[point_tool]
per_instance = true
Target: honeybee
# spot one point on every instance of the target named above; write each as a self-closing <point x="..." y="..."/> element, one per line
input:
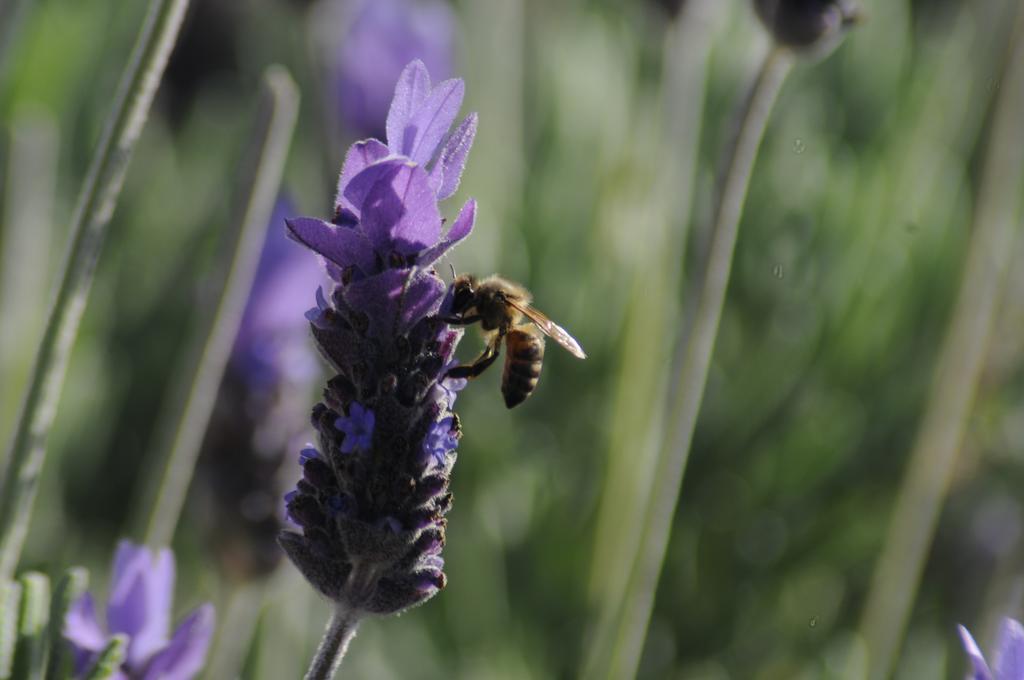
<point x="500" y="306"/>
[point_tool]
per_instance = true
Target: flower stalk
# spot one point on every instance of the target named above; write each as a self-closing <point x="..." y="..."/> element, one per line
<point x="642" y="373"/>
<point x="341" y="628"/>
<point x="89" y="224"/>
<point x="276" y="122"/>
<point x="687" y="388"/>
<point x="933" y="458"/>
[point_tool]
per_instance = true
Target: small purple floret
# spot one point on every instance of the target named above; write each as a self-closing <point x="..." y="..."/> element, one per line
<point x="441" y="439"/>
<point x="358" y="428"/>
<point x="307" y="454"/>
<point x="139" y="606"/>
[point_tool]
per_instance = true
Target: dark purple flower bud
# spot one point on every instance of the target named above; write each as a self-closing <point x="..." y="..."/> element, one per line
<point x="372" y="502"/>
<point x="368" y="43"/>
<point x="139" y="606"/>
<point x="816" y="26"/>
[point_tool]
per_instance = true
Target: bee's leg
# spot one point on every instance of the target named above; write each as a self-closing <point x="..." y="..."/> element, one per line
<point x="460" y="320"/>
<point x="480" y="365"/>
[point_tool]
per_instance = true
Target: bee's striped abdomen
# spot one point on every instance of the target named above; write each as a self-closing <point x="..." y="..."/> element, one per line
<point x="522" y="366"/>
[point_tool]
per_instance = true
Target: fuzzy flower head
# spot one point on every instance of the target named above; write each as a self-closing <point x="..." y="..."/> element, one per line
<point x="377" y="39"/>
<point x="1008" y="660"/>
<point x="374" y="491"/>
<point x="139" y="606"/>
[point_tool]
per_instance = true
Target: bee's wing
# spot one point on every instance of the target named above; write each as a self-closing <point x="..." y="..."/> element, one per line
<point x="551" y="329"/>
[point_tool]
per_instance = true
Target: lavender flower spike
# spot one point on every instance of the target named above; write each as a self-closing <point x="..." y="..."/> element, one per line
<point x="1009" y="656"/>
<point x="139" y="607"/>
<point x="371" y="502"/>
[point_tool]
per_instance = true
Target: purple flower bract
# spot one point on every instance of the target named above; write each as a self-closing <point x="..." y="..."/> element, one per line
<point x="1008" y="661"/>
<point x="139" y="606"/>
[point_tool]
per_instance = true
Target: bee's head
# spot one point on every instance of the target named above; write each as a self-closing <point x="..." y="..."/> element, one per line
<point x="463" y="293"/>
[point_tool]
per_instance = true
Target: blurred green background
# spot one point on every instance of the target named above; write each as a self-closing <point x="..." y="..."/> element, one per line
<point x="601" y="124"/>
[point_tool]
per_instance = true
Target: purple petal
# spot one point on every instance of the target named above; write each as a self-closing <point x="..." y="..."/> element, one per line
<point x="344" y="246"/>
<point x="82" y="628"/>
<point x="979" y="669"/>
<point x="449" y="166"/>
<point x="411" y="91"/>
<point x="430" y="123"/>
<point x="141" y="593"/>
<point x="1009" y="659"/>
<point x="359" y="187"/>
<point x="317" y="315"/>
<point x="461" y="227"/>
<point x="399" y="209"/>
<point x="360" y="156"/>
<point x="185" y="655"/>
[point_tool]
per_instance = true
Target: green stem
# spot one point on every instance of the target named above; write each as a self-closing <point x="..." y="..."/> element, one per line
<point x="647" y="341"/>
<point x="88" y="229"/>
<point x="26" y="263"/>
<point x="236" y="629"/>
<point x="341" y="628"/>
<point x="688" y="386"/>
<point x="110" y="659"/>
<point x="276" y="122"/>
<point x="941" y="432"/>
<point x="69" y="589"/>
<point x="12" y="15"/>
<point x="30" y="655"/>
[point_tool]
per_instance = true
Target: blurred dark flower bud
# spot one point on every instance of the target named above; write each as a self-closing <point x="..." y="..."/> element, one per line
<point x="808" y="26"/>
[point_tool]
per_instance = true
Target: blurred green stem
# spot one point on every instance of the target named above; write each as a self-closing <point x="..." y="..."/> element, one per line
<point x="341" y="628"/>
<point x="110" y="658"/>
<point x="647" y="339"/>
<point x="687" y="389"/>
<point x="88" y="229"/>
<point x="12" y="14"/>
<point x="234" y="636"/>
<point x="30" y="655"/>
<point x="933" y="457"/>
<point x="69" y="589"/>
<point x="26" y="261"/>
<point x="275" y="125"/>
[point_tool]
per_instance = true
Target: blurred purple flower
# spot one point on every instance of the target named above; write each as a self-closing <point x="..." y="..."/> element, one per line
<point x="139" y="606"/>
<point x="260" y="409"/>
<point x="377" y="39"/>
<point x="1008" y="662"/>
<point x="272" y="342"/>
<point x="373" y="524"/>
